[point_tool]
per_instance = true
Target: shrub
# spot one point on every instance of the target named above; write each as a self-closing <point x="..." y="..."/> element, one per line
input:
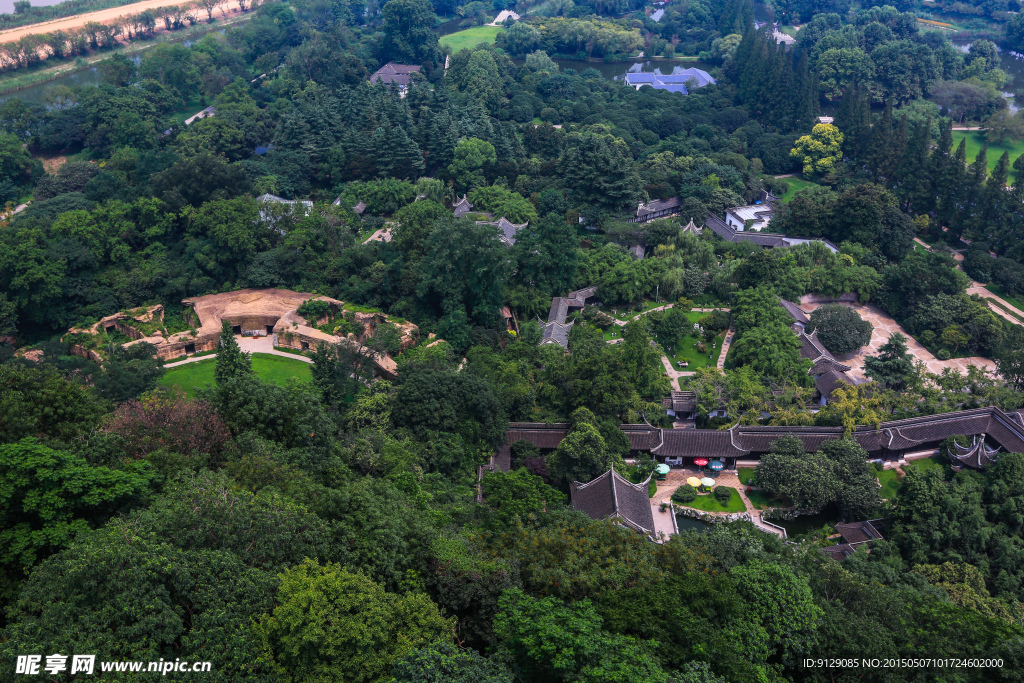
<point x="684" y="494"/>
<point x="943" y="354"/>
<point x="840" y="328"/>
<point x="716" y="320"/>
<point x="723" y="494"/>
<point x="313" y="309"/>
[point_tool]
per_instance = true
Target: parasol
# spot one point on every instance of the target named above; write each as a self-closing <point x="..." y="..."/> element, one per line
<point x="662" y="468"/>
<point x="700" y="462"/>
<point x="707" y="481"/>
<point x="693" y="481"/>
<point x="717" y="465"/>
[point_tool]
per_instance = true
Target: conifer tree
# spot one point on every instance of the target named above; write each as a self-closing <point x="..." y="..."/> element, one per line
<point x="881" y="140"/>
<point x="399" y="156"/>
<point x="913" y="182"/>
<point x="232" y="362"/>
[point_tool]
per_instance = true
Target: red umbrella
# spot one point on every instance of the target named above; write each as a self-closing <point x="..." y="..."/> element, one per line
<point x="700" y="462"/>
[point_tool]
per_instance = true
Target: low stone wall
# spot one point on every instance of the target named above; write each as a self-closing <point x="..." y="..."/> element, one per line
<point x="848" y="298"/>
<point x="82" y="352"/>
<point x="712" y="518"/>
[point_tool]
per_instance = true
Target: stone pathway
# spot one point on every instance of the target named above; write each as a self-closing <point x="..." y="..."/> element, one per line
<point x="726" y="343"/>
<point x="249" y="345"/>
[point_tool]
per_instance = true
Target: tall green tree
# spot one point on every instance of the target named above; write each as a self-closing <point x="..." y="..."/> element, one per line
<point x="333" y="625"/>
<point x="232" y="362"/>
<point x="409" y="36"/>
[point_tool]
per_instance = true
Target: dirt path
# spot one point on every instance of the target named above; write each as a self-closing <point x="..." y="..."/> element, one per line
<point x="101" y="16"/>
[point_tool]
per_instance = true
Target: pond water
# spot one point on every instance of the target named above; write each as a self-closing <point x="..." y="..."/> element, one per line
<point x="1013" y="65"/>
<point x="808" y="523"/>
<point x="691" y="524"/>
<point x="87" y="76"/>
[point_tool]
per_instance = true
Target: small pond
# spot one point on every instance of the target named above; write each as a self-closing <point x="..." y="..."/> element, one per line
<point x="691" y="524"/>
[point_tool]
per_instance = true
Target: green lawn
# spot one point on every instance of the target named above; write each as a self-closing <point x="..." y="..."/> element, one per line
<point x="1000" y="292"/>
<point x="795" y="185"/>
<point x="687" y="351"/>
<point x="708" y="503"/>
<point x="763" y="500"/>
<point x="975" y="140"/>
<point x="940" y="462"/>
<point x="890" y="482"/>
<point x="193" y="376"/>
<point x="746" y="475"/>
<point x="471" y="37"/>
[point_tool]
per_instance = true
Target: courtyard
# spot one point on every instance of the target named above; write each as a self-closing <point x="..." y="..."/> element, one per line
<point x="884" y="326"/>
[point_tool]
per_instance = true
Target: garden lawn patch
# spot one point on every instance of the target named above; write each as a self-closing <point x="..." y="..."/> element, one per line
<point x="976" y="139"/>
<point x="193" y="376"/>
<point x="686" y="351"/>
<point x="924" y="464"/>
<point x="795" y="185"/>
<point x="708" y="503"/>
<point x="890" y="481"/>
<point x="471" y="37"/>
<point x="746" y="475"/>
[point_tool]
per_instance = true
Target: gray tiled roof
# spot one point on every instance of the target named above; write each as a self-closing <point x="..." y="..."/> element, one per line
<point x="794" y="311"/>
<point x="680" y="401"/>
<point x="858" y="532"/>
<point x="395" y="73"/>
<point x="1001" y="428"/>
<point x="840" y="551"/>
<point x="611" y="495"/>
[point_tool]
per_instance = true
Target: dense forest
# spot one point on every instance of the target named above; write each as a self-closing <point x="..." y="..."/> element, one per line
<point x="330" y="530"/>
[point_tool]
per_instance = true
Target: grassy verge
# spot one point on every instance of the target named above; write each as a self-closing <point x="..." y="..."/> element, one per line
<point x="746" y="475"/>
<point x="1001" y="293"/>
<point x="975" y="141"/>
<point x="687" y="349"/>
<point x="795" y="185"/>
<point x="193" y="376"/>
<point x="471" y="37"/>
<point x="708" y="503"/>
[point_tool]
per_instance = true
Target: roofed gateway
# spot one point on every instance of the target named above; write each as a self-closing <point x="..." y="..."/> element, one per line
<point x="613" y="496"/>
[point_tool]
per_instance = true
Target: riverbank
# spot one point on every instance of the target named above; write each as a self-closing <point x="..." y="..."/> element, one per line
<point x="22" y="79"/>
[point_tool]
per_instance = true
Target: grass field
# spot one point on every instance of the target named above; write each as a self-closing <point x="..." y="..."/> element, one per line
<point x="471" y="37"/>
<point x="795" y="185"/>
<point x="975" y="140"/>
<point x="708" y="503"/>
<point x="193" y="376"/>
<point x="746" y="475"/>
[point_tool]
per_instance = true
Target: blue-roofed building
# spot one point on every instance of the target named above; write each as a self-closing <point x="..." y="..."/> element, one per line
<point x="657" y="15"/>
<point x="674" y="82"/>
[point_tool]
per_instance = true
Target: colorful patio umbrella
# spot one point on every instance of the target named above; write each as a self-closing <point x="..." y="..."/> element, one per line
<point x="707" y="481"/>
<point x="693" y="481"/>
<point x="662" y="468"/>
<point x="700" y="462"/>
<point x="717" y="465"/>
